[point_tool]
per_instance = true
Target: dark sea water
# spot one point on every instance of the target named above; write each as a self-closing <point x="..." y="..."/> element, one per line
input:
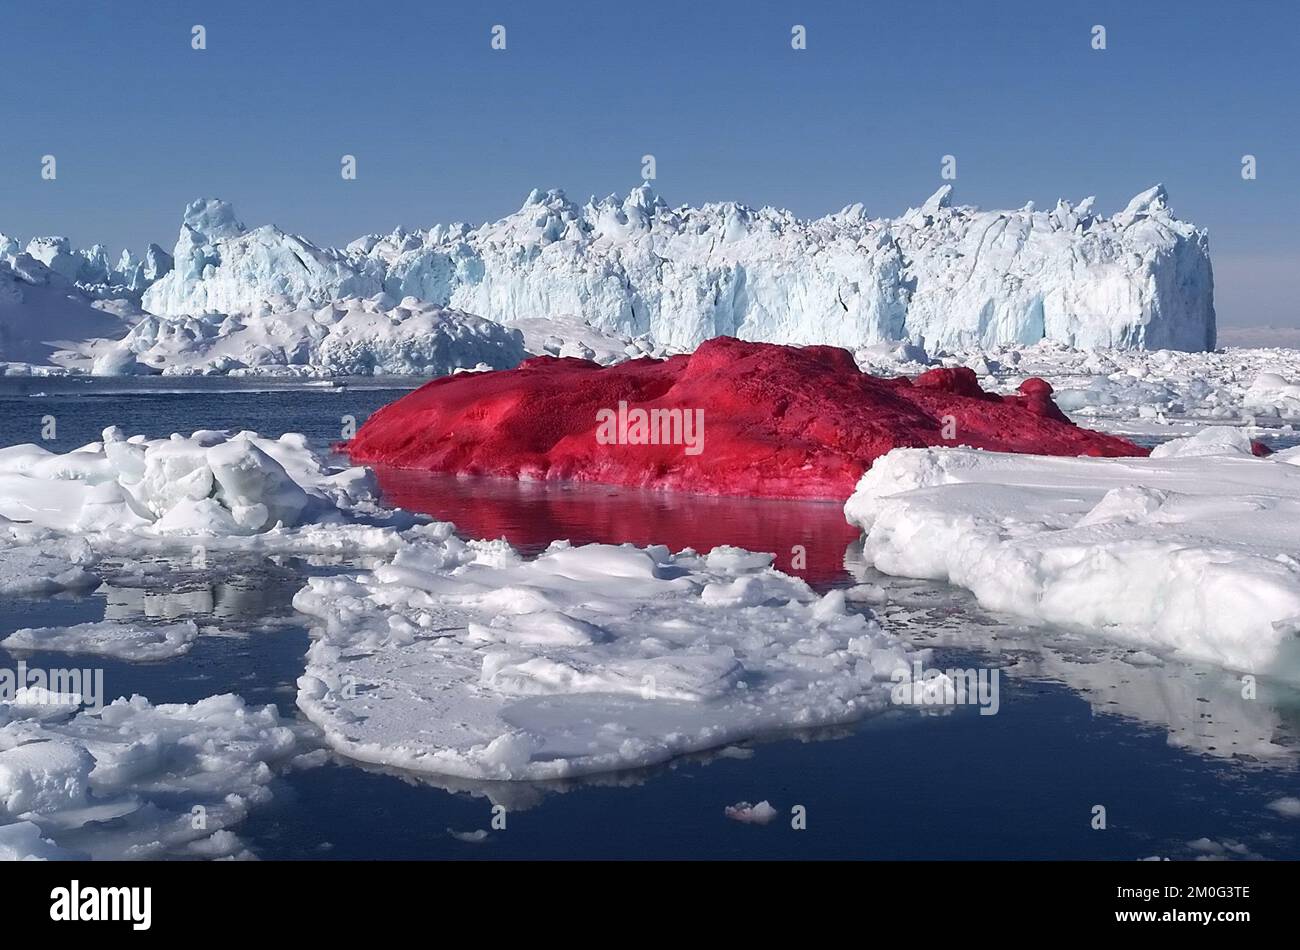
<point x="1181" y="762"/>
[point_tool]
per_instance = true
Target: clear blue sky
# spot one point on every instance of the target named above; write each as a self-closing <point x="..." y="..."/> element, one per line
<point x="444" y="128"/>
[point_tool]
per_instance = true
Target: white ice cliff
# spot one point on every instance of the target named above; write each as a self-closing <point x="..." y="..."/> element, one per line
<point x="941" y="275"/>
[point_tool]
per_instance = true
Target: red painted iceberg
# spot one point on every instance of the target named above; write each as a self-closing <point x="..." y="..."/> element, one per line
<point x="732" y="418"/>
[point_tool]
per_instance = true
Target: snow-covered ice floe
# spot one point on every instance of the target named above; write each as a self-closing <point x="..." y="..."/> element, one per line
<point x="129" y="780"/>
<point x="1194" y="550"/>
<point x="465" y="659"/>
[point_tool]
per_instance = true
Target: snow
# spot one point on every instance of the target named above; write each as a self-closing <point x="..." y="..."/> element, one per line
<point x="1193" y="550"/>
<point x="1152" y="687"/>
<point x="133" y="780"/>
<point x="940" y="275"/>
<point x="465" y="660"/>
<point x="55" y="300"/>
<point x="197" y="497"/>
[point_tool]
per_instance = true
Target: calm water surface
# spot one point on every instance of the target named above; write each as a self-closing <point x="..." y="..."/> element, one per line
<point x="1173" y="752"/>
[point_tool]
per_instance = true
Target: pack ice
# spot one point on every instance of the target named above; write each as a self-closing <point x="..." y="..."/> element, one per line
<point x="1133" y="391"/>
<point x="1193" y="551"/>
<point x="61" y="514"/>
<point x="466" y="660"/>
<point x="210" y="483"/>
<point x="125" y="781"/>
<point x="941" y="275"/>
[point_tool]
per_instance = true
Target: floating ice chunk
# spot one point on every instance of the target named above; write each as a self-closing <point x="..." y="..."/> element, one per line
<point x="1129" y="505"/>
<point x="470" y="837"/>
<point x="1143" y="658"/>
<point x="1207" y="849"/>
<point x="1119" y="385"/>
<point x="539" y="627"/>
<point x="728" y="558"/>
<point x="123" y="640"/>
<point x="1288" y="806"/>
<point x="466" y="660"/>
<point x="691" y="677"/>
<point x="558" y="335"/>
<point x="760" y="814"/>
<point x="253" y="486"/>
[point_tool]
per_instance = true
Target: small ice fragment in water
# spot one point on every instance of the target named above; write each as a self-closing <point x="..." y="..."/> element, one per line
<point x="759" y="814"/>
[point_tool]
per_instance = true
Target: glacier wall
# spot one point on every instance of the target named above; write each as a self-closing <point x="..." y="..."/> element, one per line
<point x="941" y="275"/>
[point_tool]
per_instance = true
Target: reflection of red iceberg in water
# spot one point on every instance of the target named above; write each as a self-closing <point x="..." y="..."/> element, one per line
<point x="732" y="418"/>
<point x="807" y="537"/>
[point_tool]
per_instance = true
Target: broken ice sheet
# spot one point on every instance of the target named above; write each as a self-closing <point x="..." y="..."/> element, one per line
<point x="464" y="659"/>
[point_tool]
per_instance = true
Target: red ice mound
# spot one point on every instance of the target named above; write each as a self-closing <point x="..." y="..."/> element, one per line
<point x="777" y="421"/>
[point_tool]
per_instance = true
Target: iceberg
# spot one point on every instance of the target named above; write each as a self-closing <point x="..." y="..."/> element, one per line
<point x="941" y="275"/>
